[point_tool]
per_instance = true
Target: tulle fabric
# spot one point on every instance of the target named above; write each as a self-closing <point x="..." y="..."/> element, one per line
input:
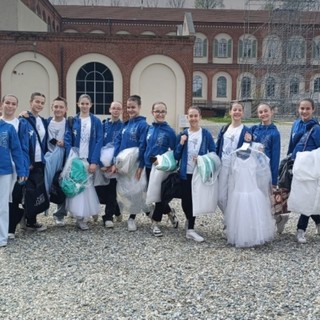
<point x="248" y="215"/>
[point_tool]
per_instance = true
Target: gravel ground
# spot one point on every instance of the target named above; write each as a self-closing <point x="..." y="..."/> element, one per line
<point x="65" y="273"/>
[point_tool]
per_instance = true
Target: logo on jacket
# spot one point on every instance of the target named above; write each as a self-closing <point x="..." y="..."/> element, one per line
<point x="247" y="137"/>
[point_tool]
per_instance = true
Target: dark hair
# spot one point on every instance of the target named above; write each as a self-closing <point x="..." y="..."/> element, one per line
<point x="85" y="96"/>
<point x="35" y="94"/>
<point x="236" y="102"/>
<point x="61" y="99"/>
<point x="135" y="98"/>
<point x="158" y="102"/>
<point x="195" y="108"/>
<point x="309" y="100"/>
<point x="9" y="95"/>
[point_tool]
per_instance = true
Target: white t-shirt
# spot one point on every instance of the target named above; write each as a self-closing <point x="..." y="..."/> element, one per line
<point x="231" y="140"/>
<point x="14" y="122"/>
<point x="194" y="143"/>
<point x="85" y="137"/>
<point x="42" y="131"/>
<point x="56" y="131"/>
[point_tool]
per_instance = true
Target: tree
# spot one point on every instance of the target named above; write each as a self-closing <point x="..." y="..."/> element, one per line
<point x="176" y="3"/>
<point x="208" y="4"/>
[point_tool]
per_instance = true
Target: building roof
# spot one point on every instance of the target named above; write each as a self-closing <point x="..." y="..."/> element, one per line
<point x="175" y="14"/>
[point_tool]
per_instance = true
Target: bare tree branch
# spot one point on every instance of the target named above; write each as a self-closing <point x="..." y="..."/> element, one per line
<point x="176" y="3"/>
<point x="209" y="4"/>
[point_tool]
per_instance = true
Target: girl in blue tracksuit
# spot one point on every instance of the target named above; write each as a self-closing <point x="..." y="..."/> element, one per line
<point x="111" y="129"/>
<point x="230" y="138"/>
<point x="301" y="140"/>
<point x="10" y="105"/>
<point x="36" y="126"/>
<point x="160" y="138"/>
<point x="133" y="134"/>
<point x="191" y="142"/>
<point x="85" y="134"/>
<point x="10" y="150"/>
<point x="268" y="135"/>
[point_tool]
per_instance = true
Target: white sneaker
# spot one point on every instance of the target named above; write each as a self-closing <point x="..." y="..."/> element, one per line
<point x="82" y="224"/>
<point x="59" y="222"/>
<point x="119" y="218"/>
<point x="156" y="230"/>
<point x="108" y="224"/>
<point x="191" y="234"/>
<point x="132" y="225"/>
<point x="11" y="236"/>
<point x="318" y="229"/>
<point x="281" y="221"/>
<point x="301" y="236"/>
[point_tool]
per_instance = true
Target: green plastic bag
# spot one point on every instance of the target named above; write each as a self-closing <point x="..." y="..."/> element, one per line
<point x="166" y="162"/>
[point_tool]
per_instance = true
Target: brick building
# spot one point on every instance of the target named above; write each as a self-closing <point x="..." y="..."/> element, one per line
<point x="180" y="56"/>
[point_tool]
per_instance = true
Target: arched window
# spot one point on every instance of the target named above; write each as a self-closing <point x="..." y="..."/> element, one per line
<point x="221" y="87"/>
<point x="197" y="87"/>
<point x="270" y="87"/>
<point x="316" y="85"/>
<point x="294" y="86"/>
<point x="96" y="80"/>
<point x="245" y="87"/>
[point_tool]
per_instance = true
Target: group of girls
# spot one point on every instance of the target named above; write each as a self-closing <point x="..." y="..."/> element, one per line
<point x="87" y="133"/>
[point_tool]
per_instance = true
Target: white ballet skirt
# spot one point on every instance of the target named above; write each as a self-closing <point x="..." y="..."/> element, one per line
<point x="248" y="213"/>
<point x="85" y="204"/>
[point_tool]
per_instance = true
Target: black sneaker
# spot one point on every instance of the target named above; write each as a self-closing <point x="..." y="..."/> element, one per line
<point x="36" y="227"/>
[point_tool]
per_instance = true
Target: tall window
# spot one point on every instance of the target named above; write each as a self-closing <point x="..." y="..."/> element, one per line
<point x="270" y="87"/>
<point x="316" y="85"/>
<point x="223" y="48"/>
<point x="197" y="87"/>
<point x="294" y="86"/>
<point x="296" y="49"/>
<point x="272" y="47"/>
<point x="221" y="87"/>
<point x="316" y="50"/>
<point x="200" y="48"/>
<point x="245" y="87"/>
<point x="96" y="80"/>
<point x="247" y="48"/>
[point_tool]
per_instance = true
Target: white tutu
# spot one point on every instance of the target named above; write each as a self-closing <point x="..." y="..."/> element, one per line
<point x="85" y="204"/>
<point x="248" y="215"/>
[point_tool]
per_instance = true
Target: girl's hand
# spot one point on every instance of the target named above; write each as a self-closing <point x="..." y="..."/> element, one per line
<point x="60" y="143"/>
<point x="113" y="169"/>
<point x="138" y="173"/>
<point x="183" y="139"/>
<point x="21" y="180"/>
<point x="103" y="169"/>
<point x="92" y="168"/>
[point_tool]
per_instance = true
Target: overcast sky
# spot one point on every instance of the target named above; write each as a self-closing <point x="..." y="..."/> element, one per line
<point x="229" y="4"/>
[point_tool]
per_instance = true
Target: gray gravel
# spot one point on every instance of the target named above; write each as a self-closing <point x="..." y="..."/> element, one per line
<point x="65" y="273"/>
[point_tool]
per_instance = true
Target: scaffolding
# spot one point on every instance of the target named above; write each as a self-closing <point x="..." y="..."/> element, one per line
<point x="286" y="66"/>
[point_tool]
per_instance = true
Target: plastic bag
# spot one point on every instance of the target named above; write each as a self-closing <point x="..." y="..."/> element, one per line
<point x="154" y="185"/>
<point x="106" y="155"/>
<point x="166" y="161"/>
<point x="74" y="176"/>
<point x="131" y="193"/>
<point x="204" y="196"/>
<point x="126" y="161"/>
<point x="208" y="166"/>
